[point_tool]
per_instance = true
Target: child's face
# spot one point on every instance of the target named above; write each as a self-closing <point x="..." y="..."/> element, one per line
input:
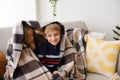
<point x="29" y="39"/>
<point x="53" y="37"/>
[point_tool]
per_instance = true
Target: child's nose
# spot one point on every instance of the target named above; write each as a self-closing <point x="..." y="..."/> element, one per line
<point x="53" y="38"/>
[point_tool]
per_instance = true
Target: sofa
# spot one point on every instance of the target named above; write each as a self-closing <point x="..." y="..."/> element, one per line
<point x="6" y="32"/>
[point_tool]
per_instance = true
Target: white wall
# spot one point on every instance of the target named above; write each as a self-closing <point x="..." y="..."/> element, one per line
<point x="99" y="15"/>
<point x="13" y="11"/>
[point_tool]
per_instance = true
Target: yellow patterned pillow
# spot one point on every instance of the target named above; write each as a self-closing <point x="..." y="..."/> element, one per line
<point x="102" y="56"/>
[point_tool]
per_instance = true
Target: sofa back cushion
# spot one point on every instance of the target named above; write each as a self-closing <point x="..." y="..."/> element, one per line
<point x="69" y="24"/>
<point x="5" y="34"/>
<point x="75" y="24"/>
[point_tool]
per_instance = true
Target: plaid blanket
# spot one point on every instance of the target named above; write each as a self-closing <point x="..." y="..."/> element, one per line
<point x="24" y="65"/>
<point x="22" y="62"/>
<point x="76" y="37"/>
<point x="67" y="54"/>
<point x="29" y="67"/>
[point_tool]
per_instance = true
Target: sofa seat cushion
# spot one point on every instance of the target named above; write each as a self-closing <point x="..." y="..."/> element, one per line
<point x="94" y="76"/>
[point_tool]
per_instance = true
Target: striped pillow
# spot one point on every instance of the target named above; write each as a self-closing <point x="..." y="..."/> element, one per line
<point x="102" y="56"/>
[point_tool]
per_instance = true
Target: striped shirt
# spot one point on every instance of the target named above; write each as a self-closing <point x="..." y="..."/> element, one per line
<point x="49" y="55"/>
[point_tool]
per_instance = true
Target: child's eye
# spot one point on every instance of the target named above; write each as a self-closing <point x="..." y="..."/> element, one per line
<point x="49" y="35"/>
<point x="57" y="34"/>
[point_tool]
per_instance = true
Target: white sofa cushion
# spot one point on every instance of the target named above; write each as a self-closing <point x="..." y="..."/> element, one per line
<point x="98" y="35"/>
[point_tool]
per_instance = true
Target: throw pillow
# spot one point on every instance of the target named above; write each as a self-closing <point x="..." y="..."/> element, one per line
<point x="98" y="35"/>
<point x="2" y="64"/>
<point x="102" y="56"/>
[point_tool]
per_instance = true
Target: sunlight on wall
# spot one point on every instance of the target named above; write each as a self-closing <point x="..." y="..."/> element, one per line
<point x="13" y="11"/>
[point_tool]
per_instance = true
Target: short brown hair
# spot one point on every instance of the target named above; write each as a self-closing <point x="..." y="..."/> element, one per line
<point x="52" y="27"/>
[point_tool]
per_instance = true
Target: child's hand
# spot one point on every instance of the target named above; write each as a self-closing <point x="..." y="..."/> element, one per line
<point x="32" y="46"/>
<point x="57" y="76"/>
<point x="55" y="72"/>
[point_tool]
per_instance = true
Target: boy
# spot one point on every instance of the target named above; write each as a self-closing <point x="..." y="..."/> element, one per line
<point x="57" y="54"/>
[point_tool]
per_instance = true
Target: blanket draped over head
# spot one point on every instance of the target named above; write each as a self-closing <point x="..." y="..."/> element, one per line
<point x="24" y="65"/>
<point x="76" y="37"/>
